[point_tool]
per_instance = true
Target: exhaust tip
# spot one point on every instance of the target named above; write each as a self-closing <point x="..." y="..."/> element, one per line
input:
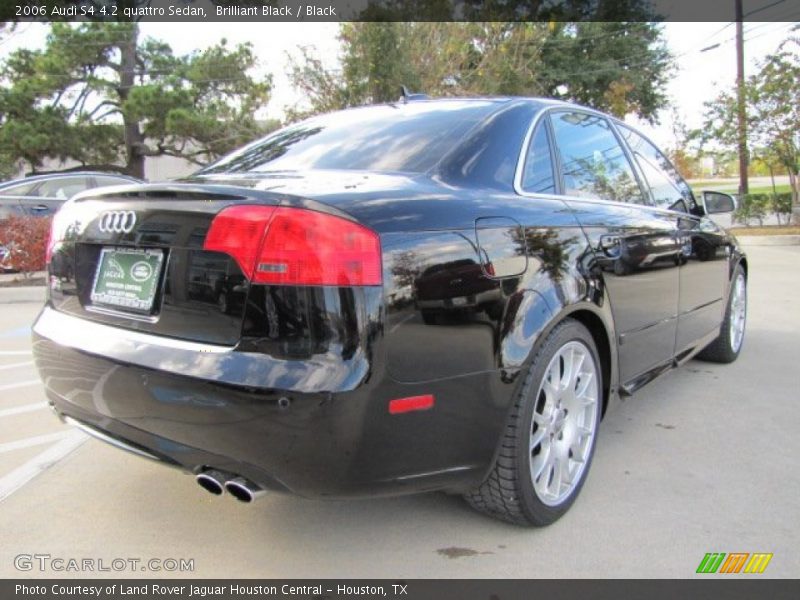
<point x="211" y="481"/>
<point x="243" y="490"/>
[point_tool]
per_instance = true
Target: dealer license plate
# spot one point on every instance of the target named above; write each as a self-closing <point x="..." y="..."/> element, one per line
<point x="127" y="278"/>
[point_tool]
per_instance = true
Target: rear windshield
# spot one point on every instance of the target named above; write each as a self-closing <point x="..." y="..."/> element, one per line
<point x="409" y="137"/>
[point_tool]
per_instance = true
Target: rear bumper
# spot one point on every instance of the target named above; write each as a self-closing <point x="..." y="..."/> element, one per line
<point x="197" y="407"/>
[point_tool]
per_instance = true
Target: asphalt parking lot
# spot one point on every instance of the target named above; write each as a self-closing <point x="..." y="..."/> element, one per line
<point x="703" y="460"/>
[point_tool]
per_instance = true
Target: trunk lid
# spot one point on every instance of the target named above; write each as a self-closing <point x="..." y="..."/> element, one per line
<point x="133" y="257"/>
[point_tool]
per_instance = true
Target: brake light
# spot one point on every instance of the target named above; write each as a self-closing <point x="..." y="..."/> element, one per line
<point x="58" y="230"/>
<point x="48" y="249"/>
<point x="399" y="406"/>
<point x="239" y="231"/>
<point x="294" y="246"/>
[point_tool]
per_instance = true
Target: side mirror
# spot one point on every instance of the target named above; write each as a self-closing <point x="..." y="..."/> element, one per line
<point x="718" y="202"/>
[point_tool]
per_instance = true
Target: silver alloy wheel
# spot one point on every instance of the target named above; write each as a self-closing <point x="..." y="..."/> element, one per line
<point x="564" y="422"/>
<point x="738" y="312"/>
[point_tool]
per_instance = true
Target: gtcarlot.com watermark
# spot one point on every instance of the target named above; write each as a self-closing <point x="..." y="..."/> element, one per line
<point x="43" y="563"/>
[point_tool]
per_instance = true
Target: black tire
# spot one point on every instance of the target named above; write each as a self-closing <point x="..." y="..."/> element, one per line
<point x="508" y="492"/>
<point x="722" y="349"/>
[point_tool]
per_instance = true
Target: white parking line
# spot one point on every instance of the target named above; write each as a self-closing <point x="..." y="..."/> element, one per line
<point x="15" y="352"/>
<point x="34" y="441"/>
<point x="18" y="410"/>
<point x="16" y="365"/>
<point x="24" y="473"/>
<point x="19" y="384"/>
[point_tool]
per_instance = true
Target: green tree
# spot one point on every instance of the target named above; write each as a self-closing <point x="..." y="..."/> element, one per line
<point x="99" y="94"/>
<point x="773" y="112"/>
<point x="775" y="118"/>
<point x="618" y="67"/>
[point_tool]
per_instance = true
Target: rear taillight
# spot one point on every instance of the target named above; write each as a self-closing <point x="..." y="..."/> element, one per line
<point x="58" y="230"/>
<point x="294" y="246"/>
<point x="48" y="249"/>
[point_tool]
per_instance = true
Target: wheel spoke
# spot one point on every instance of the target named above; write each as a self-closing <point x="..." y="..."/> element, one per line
<point x="578" y="449"/>
<point x="554" y="374"/>
<point x="541" y="462"/>
<point x="587" y="380"/>
<point x="537" y="437"/>
<point x="578" y="358"/>
<point x="540" y="420"/>
<point x="564" y="477"/>
<point x="550" y="389"/>
<point x="555" y="481"/>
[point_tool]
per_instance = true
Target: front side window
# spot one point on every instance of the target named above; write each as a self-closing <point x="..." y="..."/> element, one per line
<point x="667" y="186"/>
<point x="593" y="163"/>
<point x="537" y="176"/>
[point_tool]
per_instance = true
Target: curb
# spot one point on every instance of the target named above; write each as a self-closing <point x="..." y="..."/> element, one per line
<point x="20" y="295"/>
<point x="769" y="240"/>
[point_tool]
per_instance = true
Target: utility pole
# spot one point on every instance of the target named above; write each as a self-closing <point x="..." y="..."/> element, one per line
<point x="741" y="111"/>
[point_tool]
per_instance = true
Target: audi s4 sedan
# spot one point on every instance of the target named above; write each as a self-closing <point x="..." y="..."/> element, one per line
<point x="427" y="295"/>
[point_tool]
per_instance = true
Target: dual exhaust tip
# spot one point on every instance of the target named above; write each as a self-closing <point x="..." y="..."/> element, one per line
<point x="217" y="482"/>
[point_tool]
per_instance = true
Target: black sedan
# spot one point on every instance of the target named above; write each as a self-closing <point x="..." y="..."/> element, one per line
<point x="428" y="295"/>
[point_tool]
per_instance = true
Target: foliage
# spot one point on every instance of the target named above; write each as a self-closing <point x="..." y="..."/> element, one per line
<point x="773" y="112"/>
<point x="781" y="206"/>
<point x="507" y="10"/>
<point x="98" y="94"/>
<point x="620" y="67"/>
<point x="26" y="237"/>
<point x="687" y="161"/>
<point x="752" y="206"/>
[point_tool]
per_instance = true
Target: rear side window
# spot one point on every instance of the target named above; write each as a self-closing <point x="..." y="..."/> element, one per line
<point x="537" y="176"/>
<point x="667" y="186"/>
<point x="62" y="188"/>
<point x="104" y="180"/>
<point x="593" y="162"/>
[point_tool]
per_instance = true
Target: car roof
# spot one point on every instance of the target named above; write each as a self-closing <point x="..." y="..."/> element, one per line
<point x="48" y="176"/>
<point x="537" y="102"/>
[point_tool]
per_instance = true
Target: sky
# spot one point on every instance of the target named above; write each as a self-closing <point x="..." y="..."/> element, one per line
<point x="699" y="77"/>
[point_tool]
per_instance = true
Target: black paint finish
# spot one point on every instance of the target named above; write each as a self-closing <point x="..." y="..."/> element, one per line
<point x="290" y="386"/>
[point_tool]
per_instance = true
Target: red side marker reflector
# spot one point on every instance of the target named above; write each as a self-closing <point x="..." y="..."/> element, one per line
<point x="404" y="405"/>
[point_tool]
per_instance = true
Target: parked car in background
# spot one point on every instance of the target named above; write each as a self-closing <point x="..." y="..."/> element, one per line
<point x="43" y="195"/>
<point x="427" y="295"/>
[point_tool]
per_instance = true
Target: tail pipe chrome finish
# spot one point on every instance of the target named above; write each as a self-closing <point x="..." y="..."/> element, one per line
<point x="243" y="490"/>
<point x="212" y="481"/>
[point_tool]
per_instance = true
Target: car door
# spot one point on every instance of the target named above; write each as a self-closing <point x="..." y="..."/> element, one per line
<point x="47" y="197"/>
<point x="11" y="196"/>
<point x="705" y="247"/>
<point x="636" y="246"/>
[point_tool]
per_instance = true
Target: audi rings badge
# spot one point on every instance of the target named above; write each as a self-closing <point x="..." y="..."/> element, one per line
<point x="117" y="221"/>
